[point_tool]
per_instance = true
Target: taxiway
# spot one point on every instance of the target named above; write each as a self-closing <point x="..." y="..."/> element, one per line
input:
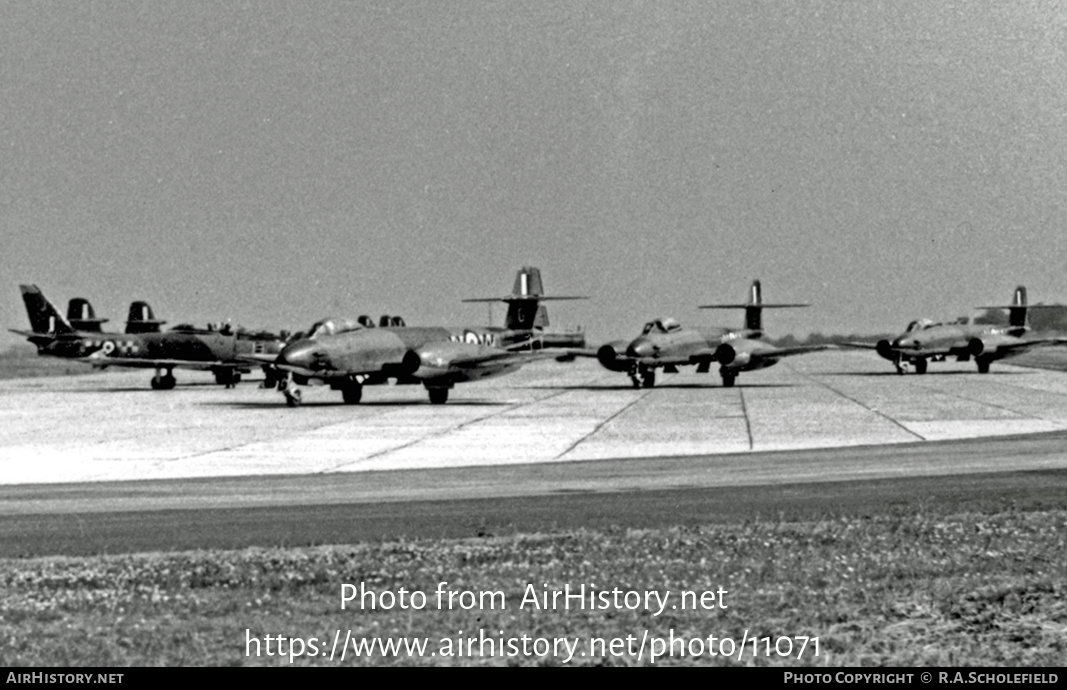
<point x="110" y="426"/>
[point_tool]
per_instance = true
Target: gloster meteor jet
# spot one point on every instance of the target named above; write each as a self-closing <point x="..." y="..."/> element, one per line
<point x="665" y="344"/>
<point x="350" y="354"/>
<point x="925" y="341"/>
<point x="143" y="344"/>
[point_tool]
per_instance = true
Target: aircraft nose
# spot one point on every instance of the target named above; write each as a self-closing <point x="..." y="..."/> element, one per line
<point x="642" y="347"/>
<point x="303" y="353"/>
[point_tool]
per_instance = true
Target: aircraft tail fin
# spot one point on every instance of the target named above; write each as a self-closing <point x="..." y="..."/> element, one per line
<point x="754" y="307"/>
<point x="44" y="317"/>
<point x="142" y="319"/>
<point x="525" y="311"/>
<point x="82" y="316"/>
<point x="1016" y="310"/>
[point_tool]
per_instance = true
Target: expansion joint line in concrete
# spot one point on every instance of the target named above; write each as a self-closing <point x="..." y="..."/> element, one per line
<point x="942" y="391"/>
<point x="748" y="423"/>
<point x="600" y="426"/>
<point x="442" y="432"/>
<point x="857" y="402"/>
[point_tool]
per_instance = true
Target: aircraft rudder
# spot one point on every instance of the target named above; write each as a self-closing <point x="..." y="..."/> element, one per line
<point x="1017" y="311"/>
<point x="754" y="310"/>
<point x="44" y="316"/>
<point x="528" y="283"/>
<point x="82" y="316"/>
<point x="756" y="294"/>
<point x="142" y="319"/>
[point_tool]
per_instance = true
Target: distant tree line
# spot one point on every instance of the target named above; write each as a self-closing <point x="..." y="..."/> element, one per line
<point x="1049" y="318"/>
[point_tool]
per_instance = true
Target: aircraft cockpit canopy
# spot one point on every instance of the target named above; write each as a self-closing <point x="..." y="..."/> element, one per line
<point x="920" y="325"/>
<point x="333" y="326"/>
<point x="667" y="325"/>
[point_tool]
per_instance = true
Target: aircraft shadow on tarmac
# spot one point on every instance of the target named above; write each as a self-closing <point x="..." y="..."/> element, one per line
<point x="267" y="404"/>
<point x="657" y="387"/>
<point x="928" y="374"/>
<point x="145" y="389"/>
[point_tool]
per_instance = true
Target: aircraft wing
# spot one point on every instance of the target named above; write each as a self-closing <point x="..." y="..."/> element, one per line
<point x="46" y="336"/>
<point x="578" y="351"/>
<point x="790" y="351"/>
<point x="129" y="362"/>
<point x="473" y="361"/>
<point x="698" y="357"/>
<point x="1026" y="345"/>
<point x="260" y="359"/>
<point x="861" y="346"/>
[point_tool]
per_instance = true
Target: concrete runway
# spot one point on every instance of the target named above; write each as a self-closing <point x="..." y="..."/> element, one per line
<point x="102" y="464"/>
<point x="110" y="426"/>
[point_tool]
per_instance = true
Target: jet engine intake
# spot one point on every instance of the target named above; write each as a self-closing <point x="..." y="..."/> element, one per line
<point x="727" y="355"/>
<point x="608" y="355"/>
<point x="885" y="349"/>
<point x="989" y="344"/>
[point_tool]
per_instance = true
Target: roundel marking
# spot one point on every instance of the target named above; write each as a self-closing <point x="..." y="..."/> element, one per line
<point x="108" y="347"/>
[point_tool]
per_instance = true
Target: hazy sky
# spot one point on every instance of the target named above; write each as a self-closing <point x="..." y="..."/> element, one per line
<point x="274" y="162"/>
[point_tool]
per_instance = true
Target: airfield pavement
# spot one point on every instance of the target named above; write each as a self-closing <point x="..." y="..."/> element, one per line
<point x="110" y="426"/>
<point x="106" y="444"/>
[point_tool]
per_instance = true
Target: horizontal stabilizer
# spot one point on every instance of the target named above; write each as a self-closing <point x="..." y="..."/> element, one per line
<point x="520" y="298"/>
<point x="746" y="306"/>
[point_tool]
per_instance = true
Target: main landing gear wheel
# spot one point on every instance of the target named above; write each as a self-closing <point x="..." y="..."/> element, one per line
<point x="438" y="396"/>
<point x="649" y="380"/>
<point x="728" y="380"/>
<point x="269" y="380"/>
<point x="352" y="394"/>
<point x="983" y="365"/>
<point x="920" y="366"/>
<point x="227" y="377"/>
<point x="163" y="383"/>
<point x="293" y="396"/>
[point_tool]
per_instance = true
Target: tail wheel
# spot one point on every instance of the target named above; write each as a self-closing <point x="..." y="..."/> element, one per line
<point x="920" y="366"/>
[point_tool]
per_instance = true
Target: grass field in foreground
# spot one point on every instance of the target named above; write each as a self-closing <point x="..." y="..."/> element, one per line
<point x="895" y="589"/>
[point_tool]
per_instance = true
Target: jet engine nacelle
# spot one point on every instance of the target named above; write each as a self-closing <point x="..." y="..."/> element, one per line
<point x="727" y="355"/>
<point x="885" y="349"/>
<point x="986" y="345"/>
<point x="609" y="356"/>
<point x="435" y="361"/>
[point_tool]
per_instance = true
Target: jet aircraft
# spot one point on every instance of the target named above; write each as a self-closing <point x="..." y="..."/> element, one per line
<point x="925" y="341"/>
<point x="665" y="344"/>
<point x="348" y="355"/>
<point x="143" y="344"/>
<point x="526" y="322"/>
